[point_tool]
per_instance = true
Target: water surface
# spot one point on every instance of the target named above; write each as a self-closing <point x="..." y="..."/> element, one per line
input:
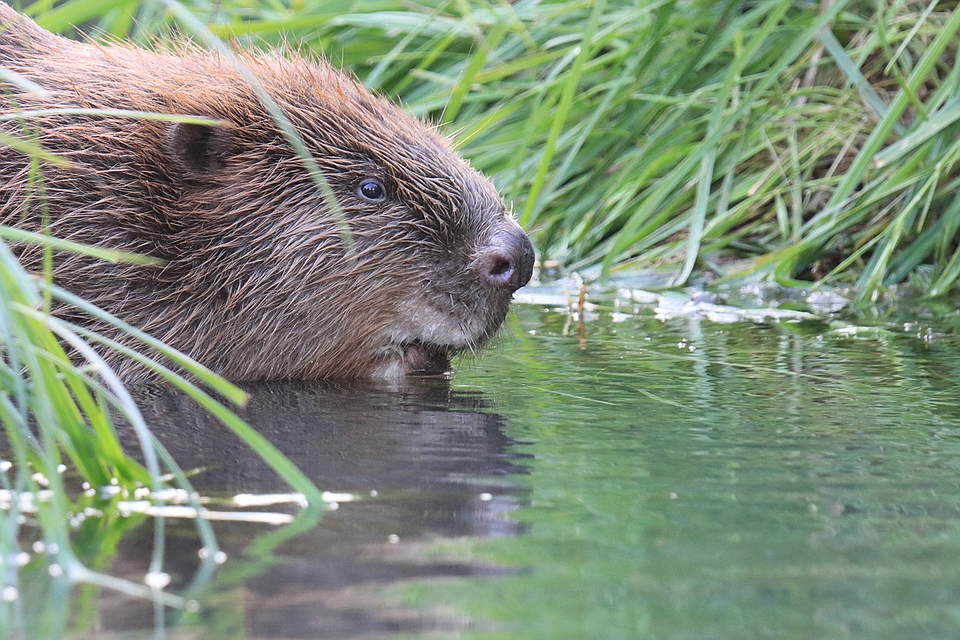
<point x="667" y="474"/>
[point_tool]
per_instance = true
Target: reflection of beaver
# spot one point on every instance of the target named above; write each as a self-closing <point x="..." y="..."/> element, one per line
<point x="256" y="281"/>
<point x="431" y="452"/>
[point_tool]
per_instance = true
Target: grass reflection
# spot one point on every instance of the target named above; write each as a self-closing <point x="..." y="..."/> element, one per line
<point x="777" y="480"/>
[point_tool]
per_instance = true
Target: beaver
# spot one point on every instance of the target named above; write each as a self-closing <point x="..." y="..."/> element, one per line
<point x="254" y="276"/>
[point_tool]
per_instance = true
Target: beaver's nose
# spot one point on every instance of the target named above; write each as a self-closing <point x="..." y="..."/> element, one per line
<point x="507" y="263"/>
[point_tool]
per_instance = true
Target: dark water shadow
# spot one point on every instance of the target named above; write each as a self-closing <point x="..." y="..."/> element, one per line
<point x="437" y="461"/>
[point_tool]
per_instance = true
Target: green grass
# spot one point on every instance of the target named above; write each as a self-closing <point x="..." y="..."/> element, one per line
<point x="60" y="415"/>
<point x="795" y="140"/>
<point x="790" y="139"/>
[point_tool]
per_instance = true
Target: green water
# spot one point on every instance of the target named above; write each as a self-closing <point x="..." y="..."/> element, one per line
<point x="663" y="478"/>
<point x="699" y="480"/>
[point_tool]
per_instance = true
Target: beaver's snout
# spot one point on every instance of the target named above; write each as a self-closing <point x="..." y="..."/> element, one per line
<point x="507" y="263"/>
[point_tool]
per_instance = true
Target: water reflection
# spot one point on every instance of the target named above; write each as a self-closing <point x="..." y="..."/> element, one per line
<point x="687" y="478"/>
<point x="426" y="462"/>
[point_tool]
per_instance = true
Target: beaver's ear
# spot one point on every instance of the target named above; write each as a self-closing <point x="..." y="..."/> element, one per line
<point x="199" y="149"/>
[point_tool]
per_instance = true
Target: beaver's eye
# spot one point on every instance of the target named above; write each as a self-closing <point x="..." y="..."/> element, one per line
<point x="372" y="190"/>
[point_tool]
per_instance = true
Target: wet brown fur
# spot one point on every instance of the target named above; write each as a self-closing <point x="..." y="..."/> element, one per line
<point x="255" y="282"/>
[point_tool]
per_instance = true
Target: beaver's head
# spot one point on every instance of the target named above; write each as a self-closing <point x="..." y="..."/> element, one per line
<point x="418" y="261"/>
